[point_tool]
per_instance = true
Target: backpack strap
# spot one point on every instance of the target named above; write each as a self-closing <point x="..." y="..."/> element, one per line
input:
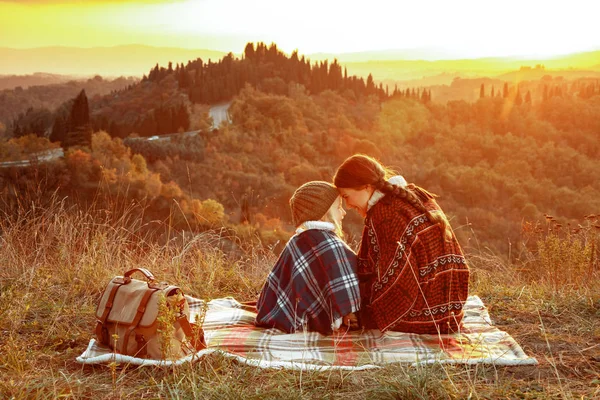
<point x="136" y="320"/>
<point x="101" y="332"/>
<point x="141" y="342"/>
<point x="194" y="333"/>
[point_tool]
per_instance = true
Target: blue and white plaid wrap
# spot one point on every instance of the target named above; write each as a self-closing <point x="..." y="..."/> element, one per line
<point x="312" y="284"/>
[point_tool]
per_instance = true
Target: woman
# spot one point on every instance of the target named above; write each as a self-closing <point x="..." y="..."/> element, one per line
<point x="412" y="272"/>
<point x="313" y="285"/>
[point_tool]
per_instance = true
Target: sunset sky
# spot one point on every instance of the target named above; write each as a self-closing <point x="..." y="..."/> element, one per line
<point x="463" y="28"/>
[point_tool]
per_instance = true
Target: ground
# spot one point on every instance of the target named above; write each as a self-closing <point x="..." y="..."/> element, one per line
<point x="52" y="278"/>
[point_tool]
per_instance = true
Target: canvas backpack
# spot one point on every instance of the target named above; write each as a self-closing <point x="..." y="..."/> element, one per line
<point x="146" y="319"/>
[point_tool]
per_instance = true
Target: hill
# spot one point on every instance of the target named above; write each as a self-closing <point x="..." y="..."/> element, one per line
<point x="48" y="97"/>
<point x="533" y="142"/>
<point x="114" y="61"/>
<point x="516" y="172"/>
<point x="397" y="65"/>
<point x="52" y="280"/>
<point x="36" y="79"/>
<point x="429" y="72"/>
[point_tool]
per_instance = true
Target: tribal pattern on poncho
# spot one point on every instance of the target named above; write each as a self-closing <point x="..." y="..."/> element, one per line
<point x="312" y="284"/>
<point x="412" y="279"/>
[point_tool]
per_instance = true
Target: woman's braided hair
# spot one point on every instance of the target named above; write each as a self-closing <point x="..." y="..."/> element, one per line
<point x="360" y="170"/>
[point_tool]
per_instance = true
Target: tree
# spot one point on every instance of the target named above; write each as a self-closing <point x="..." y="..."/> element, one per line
<point x="481" y="91"/>
<point x="182" y="118"/>
<point x="211" y="212"/>
<point x="79" y="129"/>
<point x="59" y="129"/>
<point x="505" y="90"/>
<point x="528" y="97"/>
<point x="80" y="112"/>
<point x="370" y="84"/>
<point x="518" y="98"/>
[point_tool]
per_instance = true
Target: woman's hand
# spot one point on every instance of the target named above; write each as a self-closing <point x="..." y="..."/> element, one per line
<point x="350" y="321"/>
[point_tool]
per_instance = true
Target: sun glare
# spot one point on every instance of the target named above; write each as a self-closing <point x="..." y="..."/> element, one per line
<point x="466" y="28"/>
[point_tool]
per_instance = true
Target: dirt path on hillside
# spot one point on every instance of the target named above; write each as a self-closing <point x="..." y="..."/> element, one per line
<point x="219" y="113"/>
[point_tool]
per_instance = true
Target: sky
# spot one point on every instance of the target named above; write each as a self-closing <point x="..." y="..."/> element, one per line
<point x="459" y="28"/>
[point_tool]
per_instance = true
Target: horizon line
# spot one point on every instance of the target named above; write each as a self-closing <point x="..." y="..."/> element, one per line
<point x="447" y="57"/>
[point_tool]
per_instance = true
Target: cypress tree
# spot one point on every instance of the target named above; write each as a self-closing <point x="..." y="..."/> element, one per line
<point x="370" y="84"/>
<point x="80" y="112"/>
<point x="249" y="51"/>
<point x="17" y="132"/>
<point x="79" y="129"/>
<point x="518" y="98"/>
<point x="59" y="130"/>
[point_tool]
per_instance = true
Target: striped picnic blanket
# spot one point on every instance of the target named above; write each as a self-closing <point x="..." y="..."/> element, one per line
<point x="229" y="329"/>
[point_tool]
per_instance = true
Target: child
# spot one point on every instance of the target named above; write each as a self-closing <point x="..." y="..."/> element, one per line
<point x="313" y="285"/>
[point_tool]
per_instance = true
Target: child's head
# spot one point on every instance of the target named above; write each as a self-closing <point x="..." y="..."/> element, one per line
<point x="312" y="201"/>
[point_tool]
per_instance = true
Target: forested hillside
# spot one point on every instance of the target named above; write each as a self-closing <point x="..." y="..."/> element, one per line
<point x="494" y="163"/>
<point x="502" y="155"/>
<point x="41" y="101"/>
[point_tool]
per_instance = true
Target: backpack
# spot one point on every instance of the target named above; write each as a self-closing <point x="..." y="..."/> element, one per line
<point x="146" y="319"/>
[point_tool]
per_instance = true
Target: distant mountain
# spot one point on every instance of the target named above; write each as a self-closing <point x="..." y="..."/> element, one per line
<point x="425" y="53"/>
<point x="37" y="79"/>
<point x="525" y="74"/>
<point x="585" y="64"/>
<point x="441" y="55"/>
<point x="400" y="65"/>
<point x="130" y="60"/>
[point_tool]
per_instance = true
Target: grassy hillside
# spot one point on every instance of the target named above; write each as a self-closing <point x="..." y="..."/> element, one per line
<point x="51" y="282"/>
<point x="516" y="173"/>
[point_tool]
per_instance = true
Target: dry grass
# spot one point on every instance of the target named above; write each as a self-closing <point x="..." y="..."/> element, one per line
<point x="56" y="261"/>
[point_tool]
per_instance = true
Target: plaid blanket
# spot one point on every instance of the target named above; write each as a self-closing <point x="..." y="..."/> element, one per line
<point x="229" y="329"/>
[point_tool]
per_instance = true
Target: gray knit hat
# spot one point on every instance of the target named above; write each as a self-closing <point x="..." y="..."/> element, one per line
<point x="311" y="201"/>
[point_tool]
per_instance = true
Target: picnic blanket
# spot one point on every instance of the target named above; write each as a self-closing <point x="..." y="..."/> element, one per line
<point x="229" y="329"/>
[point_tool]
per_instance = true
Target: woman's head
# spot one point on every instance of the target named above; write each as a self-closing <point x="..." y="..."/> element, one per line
<point x="315" y="201"/>
<point x="360" y="170"/>
<point x="357" y="178"/>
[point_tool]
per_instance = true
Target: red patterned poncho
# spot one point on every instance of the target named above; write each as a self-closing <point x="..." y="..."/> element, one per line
<point x="411" y="278"/>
